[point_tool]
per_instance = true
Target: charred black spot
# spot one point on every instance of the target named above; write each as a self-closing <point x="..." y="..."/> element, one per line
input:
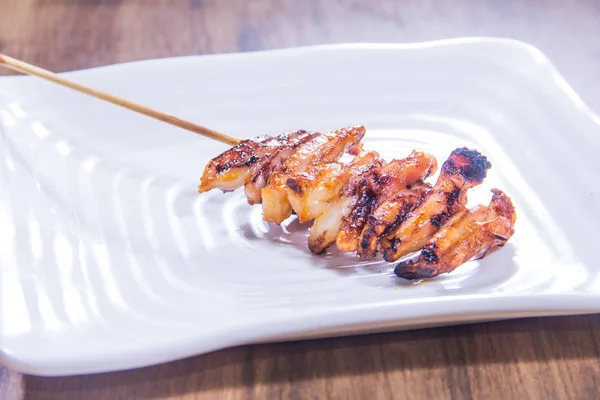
<point x="253" y="159"/>
<point x="363" y="208"/>
<point x="376" y="177"/>
<point x="384" y="180"/>
<point x="399" y="218"/>
<point x="394" y="243"/>
<point x="409" y="273"/>
<point x="220" y="168"/>
<point x="293" y="184"/>
<point x="365" y="243"/>
<point x="501" y="238"/>
<point x="477" y="168"/>
<point x="370" y="198"/>
<point x="428" y="254"/>
<point x="449" y="168"/>
<point x="453" y="197"/>
<point x="439" y="219"/>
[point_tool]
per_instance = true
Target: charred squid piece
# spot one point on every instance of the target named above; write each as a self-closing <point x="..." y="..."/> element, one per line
<point x="324" y="148"/>
<point x="366" y="200"/>
<point x="388" y="215"/>
<point x="327" y="226"/>
<point x="467" y="234"/>
<point x="234" y="167"/>
<point x="311" y="191"/>
<point x="464" y="169"/>
<point x="273" y="162"/>
<point x="394" y="199"/>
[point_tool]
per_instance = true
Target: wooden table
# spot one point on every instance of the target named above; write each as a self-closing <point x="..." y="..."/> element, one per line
<point x="536" y="358"/>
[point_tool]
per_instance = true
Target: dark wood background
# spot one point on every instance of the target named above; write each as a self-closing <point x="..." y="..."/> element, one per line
<point x="547" y="358"/>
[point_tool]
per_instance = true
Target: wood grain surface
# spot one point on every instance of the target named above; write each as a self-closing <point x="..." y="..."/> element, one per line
<point x="550" y="358"/>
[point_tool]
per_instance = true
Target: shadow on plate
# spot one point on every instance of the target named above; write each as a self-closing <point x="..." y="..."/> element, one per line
<point x="475" y="276"/>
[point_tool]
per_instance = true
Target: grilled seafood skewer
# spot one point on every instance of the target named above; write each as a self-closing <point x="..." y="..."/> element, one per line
<point x="368" y="204"/>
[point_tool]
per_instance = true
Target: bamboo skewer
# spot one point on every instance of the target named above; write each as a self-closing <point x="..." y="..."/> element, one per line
<point x="29" y="69"/>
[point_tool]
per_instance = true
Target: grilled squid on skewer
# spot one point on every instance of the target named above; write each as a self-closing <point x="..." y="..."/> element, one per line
<point x="368" y="205"/>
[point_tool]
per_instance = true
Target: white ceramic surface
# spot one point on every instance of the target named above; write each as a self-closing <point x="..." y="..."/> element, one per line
<point x="111" y="260"/>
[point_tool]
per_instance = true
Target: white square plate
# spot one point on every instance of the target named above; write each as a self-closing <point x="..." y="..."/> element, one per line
<point x="110" y="259"/>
